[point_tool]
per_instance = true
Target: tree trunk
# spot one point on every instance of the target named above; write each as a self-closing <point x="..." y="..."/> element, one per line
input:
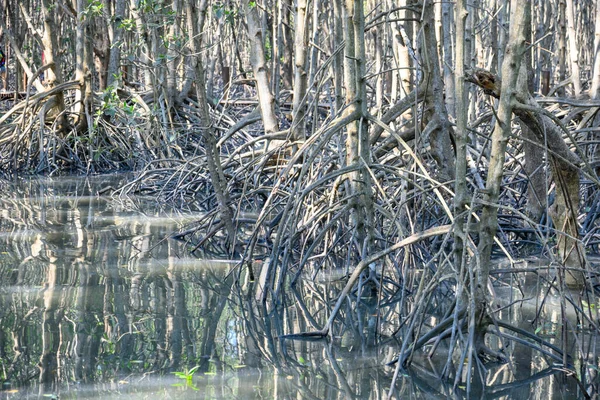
<point x="435" y="116"/>
<point x="213" y="161"/>
<point x="461" y="135"/>
<point x="357" y="140"/>
<point x="502" y="129"/>
<point x="259" y="66"/>
<point x="573" y="50"/>
<point x="114" y="62"/>
<point x="595" y="88"/>
<point x="300" y="72"/>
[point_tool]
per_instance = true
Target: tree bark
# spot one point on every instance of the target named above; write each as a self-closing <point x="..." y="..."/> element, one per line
<point x="259" y="66"/>
<point x="357" y="140"/>
<point x="573" y="50"/>
<point x="213" y="161"/>
<point x="300" y="72"/>
<point x="435" y="115"/>
<point x="502" y="129"/>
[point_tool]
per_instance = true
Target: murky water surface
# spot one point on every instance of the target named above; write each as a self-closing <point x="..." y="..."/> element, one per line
<point x="97" y="301"/>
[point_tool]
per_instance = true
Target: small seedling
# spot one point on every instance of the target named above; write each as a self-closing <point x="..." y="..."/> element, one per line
<point x="187" y="377"/>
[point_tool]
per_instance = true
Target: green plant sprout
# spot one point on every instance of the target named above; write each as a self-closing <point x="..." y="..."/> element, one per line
<point x="187" y="377"/>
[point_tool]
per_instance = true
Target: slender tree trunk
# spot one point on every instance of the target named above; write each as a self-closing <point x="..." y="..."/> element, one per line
<point x="260" y="68"/>
<point x="54" y="73"/>
<point x="357" y="141"/>
<point x="300" y="72"/>
<point x="145" y="46"/>
<point x="114" y="62"/>
<point x="81" y="67"/>
<point x="173" y="54"/>
<point x="338" y="60"/>
<point x="595" y="88"/>
<point x="562" y="45"/>
<point x="462" y="135"/>
<point x="435" y="115"/>
<point x="573" y="50"/>
<point x="213" y="161"/>
<point x="502" y="129"/>
<point x="446" y="37"/>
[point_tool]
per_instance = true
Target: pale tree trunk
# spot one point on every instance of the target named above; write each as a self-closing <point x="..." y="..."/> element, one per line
<point x="338" y="60"/>
<point x="573" y="50"/>
<point x="562" y="45"/>
<point x="82" y="67"/>
<point x="502" y="129"/>
<point x="402" y="86"/>
<point x="113" y="75"/>
<point x="462" y="135"/>
<point x="595" y="88"/>
<point x="144" y="47"/>
<point x="534" y="163"/>
<point x="446" y="37"/>
<point x="288" y="56"/>
<point x="502" y="6"/>
<point x="173" y="53"/>
<point x="209" y="140"/>
<point x="259" y="66"/>
<point x="435" y="116"/>
<point x="54" y="73"/>
<point x="378" y="38"/>
<point x="300" y="72"/>
<point x="357" y="140"/>
<point x="16" y="46"/>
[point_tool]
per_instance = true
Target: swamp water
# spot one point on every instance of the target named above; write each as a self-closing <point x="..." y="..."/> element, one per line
<point x="98" y="301"/>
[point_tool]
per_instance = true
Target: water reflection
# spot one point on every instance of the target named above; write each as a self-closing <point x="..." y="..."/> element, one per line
<point x="96" y="300"/>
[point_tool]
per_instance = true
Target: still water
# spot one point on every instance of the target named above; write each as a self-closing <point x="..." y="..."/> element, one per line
<point x="97" y="300"/>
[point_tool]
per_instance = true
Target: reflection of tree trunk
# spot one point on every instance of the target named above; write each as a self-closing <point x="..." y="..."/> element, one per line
<point x="51" y="335"/>
<point x="115" y="305"/>
<point x="177" y="326"/>
<point x="88" y="332"/>
<point x="160" y="321"/>
<point x="215" y="308"/>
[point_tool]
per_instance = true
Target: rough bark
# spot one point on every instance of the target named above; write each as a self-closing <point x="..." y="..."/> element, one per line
<point x="113" y="74"/>
<point x="259" y="66"/>
<point x="573" y="50"/>
<point x="435" y="114"/>
<point x="300" y="72"/>
<point x="461" y="137"/>
<point x="502" y="129"/>
<point x="213" y="161"/>
<point x="565" y="169"/>
<point x="357" y="140"/>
